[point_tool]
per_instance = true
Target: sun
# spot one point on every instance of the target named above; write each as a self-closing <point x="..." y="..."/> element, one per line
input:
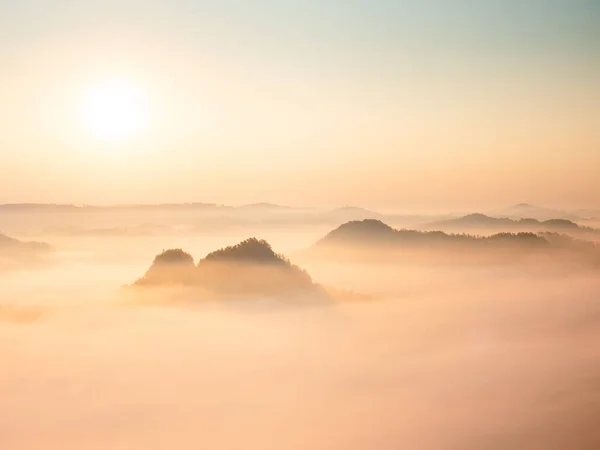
<point x="114" y="110"/>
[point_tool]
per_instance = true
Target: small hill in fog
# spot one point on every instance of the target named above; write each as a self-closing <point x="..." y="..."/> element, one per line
<point x="483" y="223"/>
<point x="369" y="240"/>
<point x="374" y="232"/>
<point x="250" y="267"/>
<point x="16" y="253"/>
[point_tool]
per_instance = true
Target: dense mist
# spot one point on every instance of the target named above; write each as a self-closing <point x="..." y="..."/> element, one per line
<point x="230" y="348"/>
<point x="299" y="225"/>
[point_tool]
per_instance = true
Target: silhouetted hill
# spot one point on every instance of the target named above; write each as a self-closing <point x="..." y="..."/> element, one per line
<point x="369" y="240"/>
<point x="363" y="230"/>
<point x="482" y="223"/>
<point x="248" y="268"/>
<point x="375" y="232"/>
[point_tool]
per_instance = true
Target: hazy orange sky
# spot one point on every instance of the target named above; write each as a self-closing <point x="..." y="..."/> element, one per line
<point x="422" y="104"/>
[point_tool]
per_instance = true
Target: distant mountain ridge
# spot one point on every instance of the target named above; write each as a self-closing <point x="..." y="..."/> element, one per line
<point x="521" y="210"/>
<point x="178" y="218"/>
<point x="131" y="220"/>
<point x="371" y="238"/>
<point x="478" y="221"/>
<point x="374" y="231"/>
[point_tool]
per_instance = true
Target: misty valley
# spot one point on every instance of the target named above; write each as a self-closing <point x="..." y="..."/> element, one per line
<point x="299" y="225"/>
<point x="178" y="326"/>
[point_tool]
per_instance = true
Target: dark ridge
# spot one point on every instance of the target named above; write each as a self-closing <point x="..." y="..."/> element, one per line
<point x="251" y="250"/>
<point x="504" y="223"/>
<point x="373" y="241"/>
<point x="370" y="238"/>
<point x="362" y="229"/>
<point x="376" y="232"/>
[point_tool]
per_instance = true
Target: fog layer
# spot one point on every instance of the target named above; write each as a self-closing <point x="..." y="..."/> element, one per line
<point x="441" y="358"/>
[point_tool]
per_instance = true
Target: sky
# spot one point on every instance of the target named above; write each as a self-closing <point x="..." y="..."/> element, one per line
<point x="374" y="103"/>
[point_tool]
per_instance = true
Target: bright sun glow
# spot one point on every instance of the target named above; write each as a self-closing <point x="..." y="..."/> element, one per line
<point x="114" y="110"/>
